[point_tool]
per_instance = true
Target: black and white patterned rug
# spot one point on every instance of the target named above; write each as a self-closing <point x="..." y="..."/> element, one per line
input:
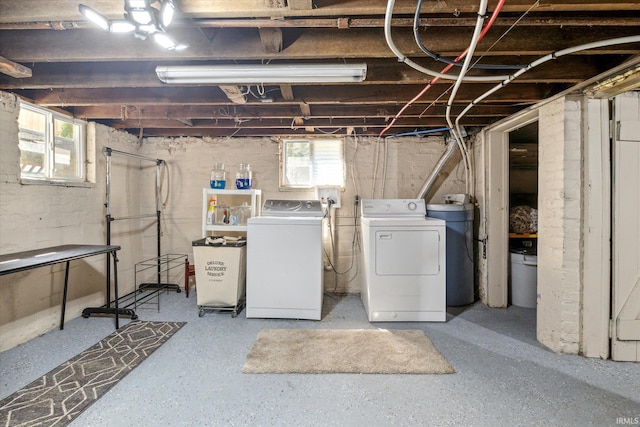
<point x="61" y="395"/>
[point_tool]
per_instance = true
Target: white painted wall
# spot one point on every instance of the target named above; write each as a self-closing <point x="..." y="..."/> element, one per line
<point x="43" y="215"/>
<point x="33" y="216"/>
<point x="409" y="161"/>
<point x="559" y="225"/>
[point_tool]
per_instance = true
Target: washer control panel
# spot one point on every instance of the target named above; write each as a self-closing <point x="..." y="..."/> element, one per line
<point x="300" y="208"/>
<point x="393" y="208"/>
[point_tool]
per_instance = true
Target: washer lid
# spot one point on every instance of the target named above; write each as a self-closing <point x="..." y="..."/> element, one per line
<point x="292" y="208"/>
<point x="285" y="221"/>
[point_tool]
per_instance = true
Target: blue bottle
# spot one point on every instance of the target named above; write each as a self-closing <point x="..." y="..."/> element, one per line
<point x="218" y="177"/>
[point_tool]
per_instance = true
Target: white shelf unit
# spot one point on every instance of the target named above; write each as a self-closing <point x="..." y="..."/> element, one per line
<point x="254" y="197"/>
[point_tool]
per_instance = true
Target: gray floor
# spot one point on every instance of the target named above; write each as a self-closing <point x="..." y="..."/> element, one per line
<point x="504" y="377"/>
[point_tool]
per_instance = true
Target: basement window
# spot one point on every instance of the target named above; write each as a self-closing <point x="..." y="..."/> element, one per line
<point x="307" y="163"/>
<point x="52" y="146"/>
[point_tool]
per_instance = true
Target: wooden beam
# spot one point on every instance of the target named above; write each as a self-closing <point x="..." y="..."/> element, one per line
<point x="300" y="4"/>
<point x="271" y="39"/>
<point x="121" y="74"/>
<point x="349" y="22"/>
<point x="233" y="44"/>
<point x="275" y="4"/>
<point x="305" y="109"/>
<point x="234" y="93"/>
<point x="280" y="111"/>
<point x="66" y="11"/>
<point x="287" y="92"/>
<point x="325" y="123"/>
<point x="13" y="69"/>
<point x="312" y="95"/>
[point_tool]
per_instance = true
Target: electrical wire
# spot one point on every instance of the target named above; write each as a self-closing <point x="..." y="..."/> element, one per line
<point x="402" y="58"/>
<point x="437" y="57"/>
<point x="354" y="243"/>
<point x="494" y="15"/>
<point x="457" y="133"/>
<point x="376" y="159"/>
<point x="384" y="165"/>
<point x="420" y="132"/>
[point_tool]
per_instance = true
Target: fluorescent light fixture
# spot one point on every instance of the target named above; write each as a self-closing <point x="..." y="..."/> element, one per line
<point x="94" y="17"/>
<point x="262" y="73"/>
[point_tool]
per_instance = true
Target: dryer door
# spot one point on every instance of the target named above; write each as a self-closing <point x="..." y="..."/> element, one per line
<point x="407" y="252"/>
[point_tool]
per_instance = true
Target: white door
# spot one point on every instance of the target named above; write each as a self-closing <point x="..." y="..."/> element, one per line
<point x="625" y="324"/>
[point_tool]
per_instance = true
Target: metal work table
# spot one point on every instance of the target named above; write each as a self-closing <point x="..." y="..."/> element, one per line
<point x="27" y="260"/>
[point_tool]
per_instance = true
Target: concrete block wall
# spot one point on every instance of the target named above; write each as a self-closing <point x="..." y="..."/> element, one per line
<point x="33" y="216"/>
<point x="559" y="226"/>
<point x="48" y="215"/>
<point x="408" y="163"/>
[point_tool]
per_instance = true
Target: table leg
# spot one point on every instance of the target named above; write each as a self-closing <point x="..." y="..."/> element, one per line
<point x="186" y="277"/>
<point x="115" y="286"/>
<point x="64" y="295"/>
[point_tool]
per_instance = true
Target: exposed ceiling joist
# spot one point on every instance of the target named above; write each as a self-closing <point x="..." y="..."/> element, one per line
<point x="111" y="78"/>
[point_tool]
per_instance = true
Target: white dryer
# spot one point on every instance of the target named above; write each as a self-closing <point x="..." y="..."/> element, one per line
<point x="404" y="261"/>
<point x="284" y="261"/>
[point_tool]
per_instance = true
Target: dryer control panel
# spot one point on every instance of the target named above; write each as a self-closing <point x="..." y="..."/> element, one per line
<point x="292" y="208"/>
<point x="393" y="208"/>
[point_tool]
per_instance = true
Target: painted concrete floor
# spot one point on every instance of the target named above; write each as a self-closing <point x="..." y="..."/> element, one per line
<point x="504" y="377"/>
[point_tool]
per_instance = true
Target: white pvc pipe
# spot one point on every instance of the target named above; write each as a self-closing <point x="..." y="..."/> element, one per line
<point x="542" y="60"/>
<point x="418" y="67"/>
<point x="456" y="132"/>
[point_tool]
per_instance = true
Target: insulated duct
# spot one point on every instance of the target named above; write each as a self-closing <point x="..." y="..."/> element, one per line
<point x="437" y="170"/>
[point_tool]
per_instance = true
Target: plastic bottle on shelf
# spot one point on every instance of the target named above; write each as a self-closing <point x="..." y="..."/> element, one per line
<point x="244" y="212"/>
<point x="211" y="212"/>
<point x="243" y="177"/>
<point x="218" y="177"/>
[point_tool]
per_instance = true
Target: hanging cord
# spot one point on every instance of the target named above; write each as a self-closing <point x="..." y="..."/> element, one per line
<point x="385" y="161"/>
<point x="503" y="35"/>
<point x="494" y="15"/>
<point x="165" y="170"/>
<point x="376" y="159"/>
<point x="353" y="163"/>
<point x="437" y="57"/>
<point x="353" y="245"/>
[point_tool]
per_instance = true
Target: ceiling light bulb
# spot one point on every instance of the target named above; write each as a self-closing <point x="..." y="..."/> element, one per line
<point x="142" y="17"/>
<point x="148" y="28"/>
<point x="121" y="26"/>
<point x="140" y="4"/>
<point x="164" y="40"/>
<point x="167" y="12"/>
<point x="94" y="17"/>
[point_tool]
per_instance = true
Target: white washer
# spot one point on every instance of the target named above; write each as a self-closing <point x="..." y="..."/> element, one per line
<point x="284" y="261"/>
<point x="404" y="261"/>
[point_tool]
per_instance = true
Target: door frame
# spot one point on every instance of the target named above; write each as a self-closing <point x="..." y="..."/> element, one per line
<point x="495" y="210"/>
<point x="596" y="230"/>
